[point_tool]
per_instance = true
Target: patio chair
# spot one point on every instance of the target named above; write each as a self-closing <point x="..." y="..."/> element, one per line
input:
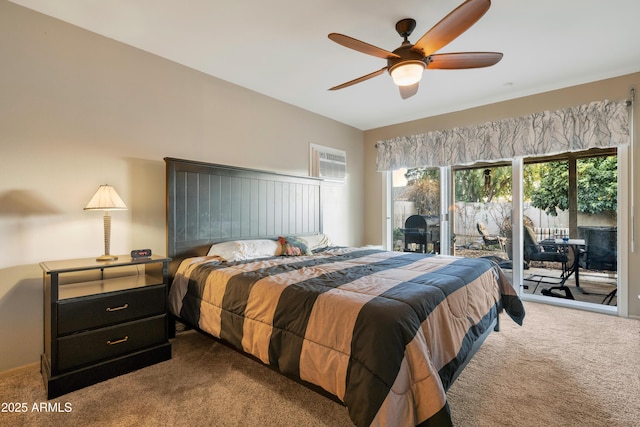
<point x="489" y="239"/>
<point x="548" y="252"/>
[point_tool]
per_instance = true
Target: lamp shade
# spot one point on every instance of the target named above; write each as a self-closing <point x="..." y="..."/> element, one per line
<point x="407" y="73"/>
<point x="105" y="199"/>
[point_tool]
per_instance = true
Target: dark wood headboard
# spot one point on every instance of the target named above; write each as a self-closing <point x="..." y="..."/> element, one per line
<point x="208" y="203"/>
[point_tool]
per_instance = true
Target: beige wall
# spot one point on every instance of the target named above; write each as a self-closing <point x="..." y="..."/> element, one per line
<point x="615" y="89"/>
<point x="78" y="110"/>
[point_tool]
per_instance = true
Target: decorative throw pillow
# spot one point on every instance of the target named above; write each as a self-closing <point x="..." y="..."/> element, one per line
<point x="292" y="246"/>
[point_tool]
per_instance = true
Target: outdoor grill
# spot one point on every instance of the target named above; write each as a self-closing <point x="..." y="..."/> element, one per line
<point x="422" y="234"/>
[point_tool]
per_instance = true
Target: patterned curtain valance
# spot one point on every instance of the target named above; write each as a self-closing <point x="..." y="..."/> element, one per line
<point x="598" y="124"/>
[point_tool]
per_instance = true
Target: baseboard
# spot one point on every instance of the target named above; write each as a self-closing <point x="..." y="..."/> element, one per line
<point x="19" y="369"/>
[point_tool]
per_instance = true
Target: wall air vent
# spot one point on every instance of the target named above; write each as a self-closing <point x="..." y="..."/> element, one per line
<point x="328" y="163"/>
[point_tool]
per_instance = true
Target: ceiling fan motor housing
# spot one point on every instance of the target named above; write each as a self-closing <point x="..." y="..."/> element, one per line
<point x="406" y="56"/>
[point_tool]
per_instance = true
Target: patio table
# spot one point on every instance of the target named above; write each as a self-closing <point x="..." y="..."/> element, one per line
<point x="576" y="245"/>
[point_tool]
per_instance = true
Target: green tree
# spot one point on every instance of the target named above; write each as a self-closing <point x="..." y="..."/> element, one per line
<point x="426" y="196"/>
<point x="597" y="186"/>
<point x="552" y="191"/>
<point x="471" y="185"/>
<point x="423" y="188"/>
<point x="415" y="175"/>
<point x="483" y="185"/>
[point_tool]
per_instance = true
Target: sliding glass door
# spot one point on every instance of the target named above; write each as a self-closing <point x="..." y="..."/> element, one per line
<point x="551" y="223"/>
<point x="572" y="209"/>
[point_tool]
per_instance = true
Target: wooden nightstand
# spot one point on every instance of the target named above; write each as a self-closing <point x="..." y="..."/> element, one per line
<point x="102" y="319"/>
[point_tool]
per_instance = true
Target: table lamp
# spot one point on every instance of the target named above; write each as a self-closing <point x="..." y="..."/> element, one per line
<point x="106" y="199"/>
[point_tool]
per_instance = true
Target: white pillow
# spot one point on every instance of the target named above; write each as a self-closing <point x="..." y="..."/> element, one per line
<point x="238" y="250"/>
<point x="226" y="250"/>
<point x="260" y="248"/>
<point x="316" y="241"/>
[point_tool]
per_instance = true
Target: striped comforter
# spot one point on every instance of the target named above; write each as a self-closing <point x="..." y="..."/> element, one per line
<point x="382" y="331"/>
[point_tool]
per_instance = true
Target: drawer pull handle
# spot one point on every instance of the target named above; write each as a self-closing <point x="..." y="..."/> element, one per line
<point x="122" y="307"/>
<point x="120" y="341"/>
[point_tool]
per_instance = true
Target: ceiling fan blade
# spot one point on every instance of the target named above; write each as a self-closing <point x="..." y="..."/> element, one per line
<point x="408" y="91"/>
<point x="461" y="60"/>
<point x="361" y="46"/>
<point x="451" y="26"/>
<point x="359" y="79"/>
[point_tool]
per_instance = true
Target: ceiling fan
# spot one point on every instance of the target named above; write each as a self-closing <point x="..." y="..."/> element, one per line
<point x="406" y="63"/>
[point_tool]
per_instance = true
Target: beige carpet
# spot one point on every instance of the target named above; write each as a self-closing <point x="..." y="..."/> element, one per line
<point x="562" y="368"/>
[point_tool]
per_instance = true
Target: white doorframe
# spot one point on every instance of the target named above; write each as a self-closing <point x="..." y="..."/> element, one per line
<point x="446" y="209"/>
<point x="387" y="211"/>
<point x="517" y="223"/>
<point x="624" y="204"/>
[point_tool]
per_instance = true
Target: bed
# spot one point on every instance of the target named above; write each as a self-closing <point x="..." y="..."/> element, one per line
<point x="384" y="333"/>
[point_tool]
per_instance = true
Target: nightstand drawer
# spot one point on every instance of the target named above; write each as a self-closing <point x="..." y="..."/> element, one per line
<point x="83" y="314"/>
<point x="86" y="348"/>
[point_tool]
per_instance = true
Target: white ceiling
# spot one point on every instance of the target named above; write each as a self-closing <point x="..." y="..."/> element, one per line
<point x="280" y="47"/>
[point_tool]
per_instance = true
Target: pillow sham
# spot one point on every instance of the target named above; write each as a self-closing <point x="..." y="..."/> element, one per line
<point x="316" y="241"/>
<point x="293" y="246"/>
<point x="227" y="250"/>
<point x="239" y="250"/>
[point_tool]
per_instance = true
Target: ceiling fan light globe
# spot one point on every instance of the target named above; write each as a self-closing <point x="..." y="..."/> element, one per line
<point x="408" y="73"/>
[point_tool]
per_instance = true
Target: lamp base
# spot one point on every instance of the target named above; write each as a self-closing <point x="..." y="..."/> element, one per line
<point x="107" y="258"/>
